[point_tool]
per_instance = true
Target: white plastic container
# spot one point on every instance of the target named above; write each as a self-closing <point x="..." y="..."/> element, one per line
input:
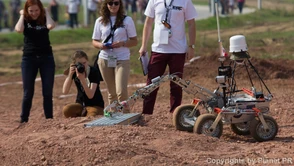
<point x="238" y="44"/>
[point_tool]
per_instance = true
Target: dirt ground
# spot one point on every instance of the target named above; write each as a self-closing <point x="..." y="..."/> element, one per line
<point x="66" y="142"/>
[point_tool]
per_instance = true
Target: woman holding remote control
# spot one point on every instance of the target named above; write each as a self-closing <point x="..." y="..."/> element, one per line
<point x="113" y="34"/>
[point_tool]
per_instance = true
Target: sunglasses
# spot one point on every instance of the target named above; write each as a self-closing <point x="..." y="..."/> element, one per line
<point x="167" y="25"/>
<point x="113" y="3"/>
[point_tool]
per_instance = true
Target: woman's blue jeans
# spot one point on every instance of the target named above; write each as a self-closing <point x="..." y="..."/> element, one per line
<point x="29" y="68"/>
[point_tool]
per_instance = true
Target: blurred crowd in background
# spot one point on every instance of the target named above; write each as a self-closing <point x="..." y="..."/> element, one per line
<point x="9" y="14"/>
<point x="70" y="10"/>
<point x="228" y="6"/>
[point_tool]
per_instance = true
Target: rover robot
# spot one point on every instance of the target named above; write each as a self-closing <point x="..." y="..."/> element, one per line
<point x="244" y="109"/>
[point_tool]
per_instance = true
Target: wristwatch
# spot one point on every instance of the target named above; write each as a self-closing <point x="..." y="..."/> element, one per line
<point x="192" y="46"/>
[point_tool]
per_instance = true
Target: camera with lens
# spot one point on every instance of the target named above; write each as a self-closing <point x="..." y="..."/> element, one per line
<point x="80" y="67"/>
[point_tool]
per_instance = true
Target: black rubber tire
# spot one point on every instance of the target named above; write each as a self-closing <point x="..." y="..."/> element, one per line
<point x="178" y="115"/>
<point x="204" y="122"/>
<point x="257" y="131"/>
<point x="241" y="128"/>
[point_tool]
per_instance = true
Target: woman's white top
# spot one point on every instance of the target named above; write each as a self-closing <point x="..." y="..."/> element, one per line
<point x="122" y="33"/>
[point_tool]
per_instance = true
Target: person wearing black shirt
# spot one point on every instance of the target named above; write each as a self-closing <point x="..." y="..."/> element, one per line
<point x="89" y="101"/>
<point x="54" y="10"/>
<point x="35" y="23"/>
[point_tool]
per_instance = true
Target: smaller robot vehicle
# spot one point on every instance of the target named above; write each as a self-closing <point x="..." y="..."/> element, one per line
<point x="245" y="110"/>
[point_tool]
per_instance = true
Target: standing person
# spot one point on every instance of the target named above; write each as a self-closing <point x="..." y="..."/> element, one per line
<point x="35" y="23"/>
<point x="114" y="57"/>
<point x="224" y="7"/>
<point x="54" y="10"/>
<point x="2" y="11"/>
<point x="227" y="7"/>
<point x="72" y="8"/>
<point x="231" y="6"/>
<point x="134" y="10"/>
<point x="92" y="10"/>
<point x="14" y="7"/>
<point x="6" y="19"/>
<point x="89" y="101"/>
<point x="241" y="5"/>
<point x="142" y="4"/>
<point x="126" y="5"/>
<point x="169" y="47"/>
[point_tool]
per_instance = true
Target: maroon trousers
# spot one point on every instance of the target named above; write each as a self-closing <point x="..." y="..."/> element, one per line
<point x="157" y="66"/>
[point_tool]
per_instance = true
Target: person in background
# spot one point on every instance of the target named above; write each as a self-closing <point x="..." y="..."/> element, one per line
<point x="14" y="7"/>
<point x="6" y="19"/>
<point x="169" y="47"/>
<point x="2" y="10"/>
<point x="89" y="101"/>
<point x="54" y="10"/>
<point x="134" y="10"/>
<point x="224" y="7"/>
<point x="114" y="57"/>
<point x="72" y="8"/>
<point x="35" y="23"/>
<point x="231" y="6"/>
<point x="241" y="5"/>
<point x="142" y="4"/>
<point x="67" y="21"/>
<point x="92" y="10"/>
<point x="126" y="4"/>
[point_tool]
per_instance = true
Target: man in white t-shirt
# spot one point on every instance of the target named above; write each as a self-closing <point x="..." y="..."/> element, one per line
<point x="169" y="47"/>
<point x="72" y="8"/>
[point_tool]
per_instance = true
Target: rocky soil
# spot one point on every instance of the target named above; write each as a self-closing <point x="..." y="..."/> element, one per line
<point x="66" y="142"/>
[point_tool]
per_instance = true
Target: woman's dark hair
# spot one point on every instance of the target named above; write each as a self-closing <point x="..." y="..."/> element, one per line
<point x="41" y="19"/>
<point x="105" y="13"/>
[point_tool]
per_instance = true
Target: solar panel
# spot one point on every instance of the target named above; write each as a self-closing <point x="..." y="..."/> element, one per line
<point x="124" y="119"/>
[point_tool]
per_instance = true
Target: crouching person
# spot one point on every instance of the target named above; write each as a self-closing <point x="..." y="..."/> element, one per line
<point x="89" y="101"/>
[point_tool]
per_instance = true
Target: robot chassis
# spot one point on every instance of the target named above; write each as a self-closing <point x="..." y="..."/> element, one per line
<point x="244" y="112"/>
